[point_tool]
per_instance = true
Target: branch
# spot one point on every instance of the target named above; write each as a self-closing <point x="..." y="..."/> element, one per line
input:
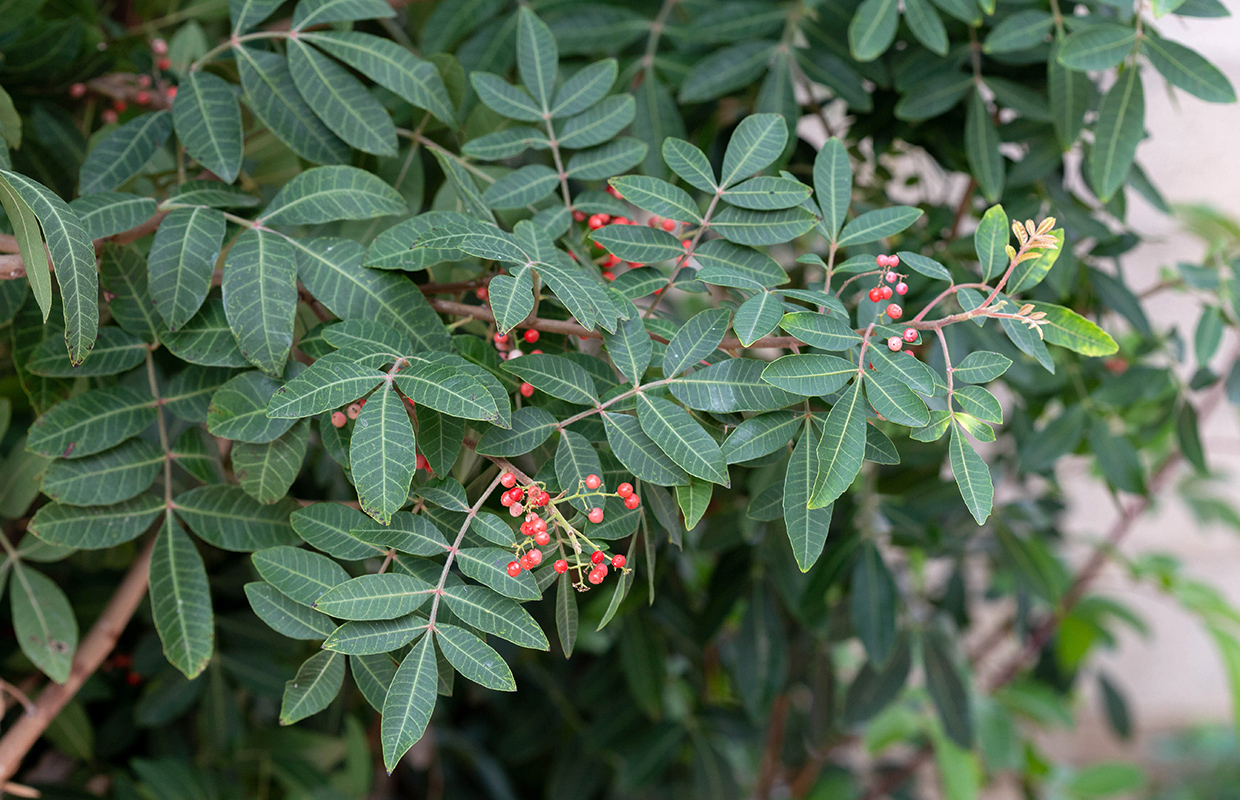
<point x="12" y="266"/>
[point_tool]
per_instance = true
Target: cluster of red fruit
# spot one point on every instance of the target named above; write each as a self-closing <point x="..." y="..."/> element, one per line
<point x="512" y="499"/>
<point x="142" y="96"/>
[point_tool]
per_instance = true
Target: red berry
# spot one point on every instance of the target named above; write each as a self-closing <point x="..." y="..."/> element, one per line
<point x="634" y="265"/>
<point x="885" y="292"/>
<point x="618" y="561"/>
<point x="535" y="557"/>
<point x="526" y="561"/>
<point x="514" y="569"/>
<point x="669" y="225"/>
<point x="598" y="557"/>
<point x="893" y="261"/>
<point x="482" y="293"/>
<point x="421" y="463"/>
<point x="686" y="243"/>
<point x="353" y="410"/>
<point x="654" y="222"/>
<point x="515" y="510"/>
<point x="525" y="528"/>
<point x="144" y="81"/>
<point x="876" y="295"/>
<point x="596" y="577"/>
<point x="593" y="482"/>
<point x="595" y="515"/>
<point x="164" y="63"/>
<point x="540" y="525"/>
<point x="624" y="489"/>
<point x="527" y="390"/>
<point x="508" y="480"/>
<point x="530" y="336"/>
<point x="895" y="343"/>
<point x="77" y="90"/>
<point x="543" y="499"/>
<point x="608" y="275"/>
<point x="501" y="338"/>
<point x="339" y="419"/>
<point x="901" y="288"/>
<point x="542" y="538"/>
<point x="505" y="500"/>
<point x="515" y="494"/>
<point x="601" y="569"/>
<point x="171" y="91"/>
<point x="891" y="277"/>
<point x="894" y="311"/>
<point x="632" y="501"/>
<point x="619" y="220"/>
<point x="910" y="334"/>
<point x="143" y="98"/>
<point x="119" y="105"/>
<point x="595" y="222"/>
<point x="560" y="566"/>
<point x="133" y="678"/>
<point x="580" y="216"/>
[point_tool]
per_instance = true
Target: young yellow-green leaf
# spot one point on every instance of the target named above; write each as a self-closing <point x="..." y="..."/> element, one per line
<point x="341" y="101"/>
<point x="382" y="454"/>
<point x="73" y="258"/>
<point x="490" y="612"/>
<point x="317" y="683"/>
<point x="124" y="152"/>
<point x="207" y="119"/>
<point x="990" y="241"/>
<point x="841" y="449"/>
<point x="182" y="260"/>
<point x="238" y="410"/>
<point x="947" y="688"/>
<point x="474" y="658"/>
<point x="286" y="616"/>
<point x="260" y="297"/>
<point x="227" y="517"/>
<point x="43" y="622"/>
<point x="109" y="477"/>
<point x="809" y="375"/>
<point x="411" y="698"/>
<point x="807" y="527"/>
<point x="981" y="143"/>
<point x="873" y="604"/>
<point x="689" y="163"/>
<point x="873" y="29"/>
<point x="392" y="66"/>
<point x="371" y="597"/>
<point x="1185" y="68"/>
<point x="95" y="527"/>
<point x="1028" y="274"/>
<point x="300" y="575"/>
<point x="1106" y="780"/>
<point x="181" y="600"/>
<point x="30" y="244"/>
<point x="91" y="422"/>
<point x="371" y="637"/>
<point x="1069" y="329"/>
<point x="682" y="438"/>
<point x="972" y="476"/>
<point x="878" y="224"/>
<point x="1097" y="47"/>
<point x="1121" y="123"/>
<point x="272" y="95"/>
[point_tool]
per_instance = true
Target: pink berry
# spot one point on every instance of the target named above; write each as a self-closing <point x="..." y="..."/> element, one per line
<point x="901" y="288"/>
<point x="77" y="90"/>
<point x="159" y="47"/>
<point x="353" y="410"/>
<point x="108" y="116"/>
<point x="338" y="419"/>
<point x="910" y="335"/>
<point x="515" y="509"/>
<point x="535" y="557"/>
<point x="595" y="515"/>
<point x="881" y="260"/>
<point x="894" y="311"/>
<point x="891" y="277"/>
<point x="895" y="343"/>
<point x="885" y="291"/>
<point x="593" y="482"/>
<point x="893" y="261"/>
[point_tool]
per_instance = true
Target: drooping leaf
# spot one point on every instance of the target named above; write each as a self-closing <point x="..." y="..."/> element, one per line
<point x="316" y="684"/>
<point x="124" y="152"/>
<point x="972" y="476"/>
<point x="1120" y="126"/>
<point x="841" y="449"/>
<point x="382" y="454"/>
<point x="207" y="119"/>
<point x="181" y="600"/>
<point x="341" y="101"/>
<point x="410" y="701"/>
<point x="43" y="622"/>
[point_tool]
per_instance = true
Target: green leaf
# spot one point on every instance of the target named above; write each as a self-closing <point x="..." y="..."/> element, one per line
<point x="894" y="400"/>
<point x="820" y="330"/>
<point x="30" y="244"/>
<point x="91" y="422"/>
<point x="1069" y="329"/>
<point x="371" y="637"/>
<point x="618" y="155"/>
<point x="755" y="144"/>
<point x="326" y="526"/>
<point x="447" y="389"/>
<point x="228" y="518"/>
<point x="474" y="659"/>
<point x="630" y="349"/>
<point x="43" y="622"/>
<point x="531" y="426"/>
<point x="245" y="14"/>
<point x="726" y="70"/>
<point x="947" y="689"/>
<point x="207" y="119"/>
<point x="115" y="352"/>
<point x="925" y="266"/>
<point x="124" y="152"/>
<point x="332" y="382"/>
<point x="182" y="260"/>
<point x="682" y="438"/>
<point x="300" y="575"/>
<point x="488" y="565"/>
<point x="374" y="597"/>
<point x="73" y="257"/>
<point x="833" y="185"/>
<point x="181" y="600"/>
<point x="1028" y="274"/>
<point x="410" y="700"/>
<point x="638" y="452"/>
<point x="123" y="272"/>
<point x="1106" y="780"/>
<point x="695" y="340"/>
<point x="238" y="410"/>
<point x="587" y="86"/>
<point x="260" y="297"/>
<point x="807" y="527"/>
<point x="109" y="477"/>
<point x="658" y="197"/>
<point x="484" y="609"/>
<point x="537" y="57"/>
<point x="742" y="226"/>
<point x="1019" y="31"/>
<point x="1072" y="94"/>
<point x="408" y="533"/>
<point x="108" y="213"/>
<point x="693" y="499"/>
<point x="873" y="29"/>
<point x="761" y="435"/>
<point x="1185" y="68"/>
<point x="638" y="243"/>
<point x="598" y="124"/>
<point x="317" y="683"/>
<point x="926" y="25"/>
<point x="978" y="402"/>
<point x="504" y="98"/>
<point x="566" y="614"/>
<point x="272" y="95"/>
<point x="972" y="476"/>
<point x="809" y="375"/>
<point x="933" y="96"/>
<point x="876" y="685"/>
<point x="873" y="603"/>
<point x="326" y="194"/>
<point x="317" y="12"/>
<point x="732" y="385"/>
<point x="95" y="527"/>
<point x="981" y="142"/>
<point x="285" y="616"/>
<point x="555" y="375"/>
<point x="382" y="454"/>
<point x="841" y="449"/>
<point x="757" y="317"/>
<point x="766" y="193"/>
<point x="981" y="366"/>
<point x="341" y="101"/>
<point x="524" y="187"/>
<point x="990" y="242"/>
<point x="1097" y="47"/>
<point x="878" y="224"/>
<point x="689" y="163"/>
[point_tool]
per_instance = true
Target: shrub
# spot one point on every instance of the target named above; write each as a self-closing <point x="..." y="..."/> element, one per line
<point x="434" y="338"/>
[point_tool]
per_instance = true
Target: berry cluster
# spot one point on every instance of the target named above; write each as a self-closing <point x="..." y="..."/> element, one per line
<point x="142" y="89"/>
<point x="536" y="533"/>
